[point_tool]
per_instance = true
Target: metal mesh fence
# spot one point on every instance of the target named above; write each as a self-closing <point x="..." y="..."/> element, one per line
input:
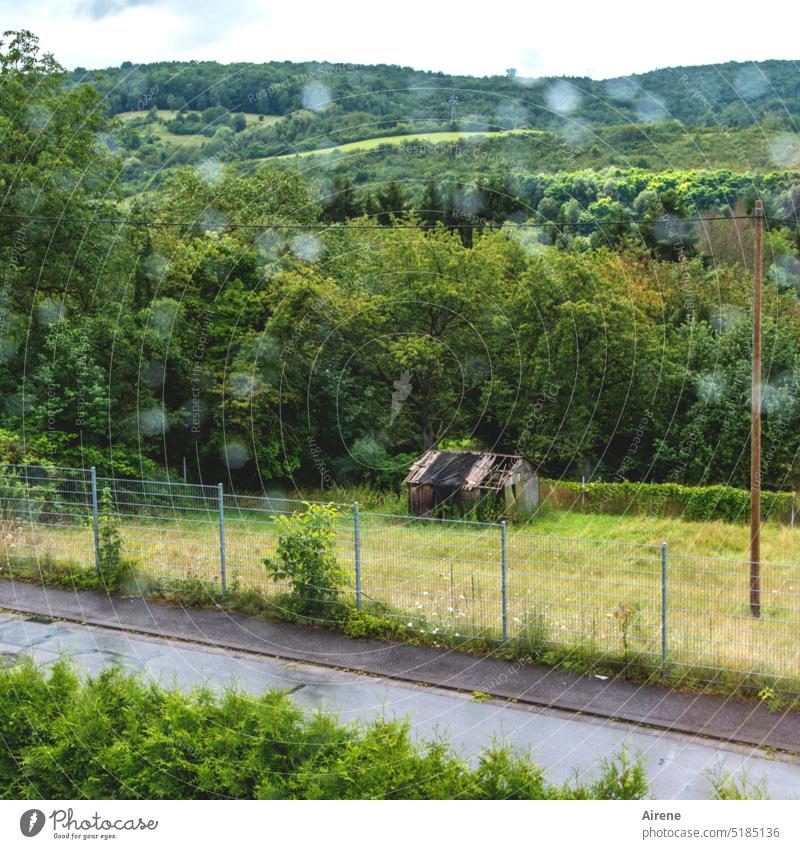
<point x="435" y="576"/>
<point x="597" y="597"/>
<point x="45" y="513"/>
<point x="712" y="631"/>
<point x="625" y="604"/>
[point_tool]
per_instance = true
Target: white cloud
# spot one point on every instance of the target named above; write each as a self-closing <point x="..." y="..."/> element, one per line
<point x="98" y="9"/>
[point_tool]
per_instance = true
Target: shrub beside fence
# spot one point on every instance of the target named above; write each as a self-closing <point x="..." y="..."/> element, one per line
<point x="622" y="605"/>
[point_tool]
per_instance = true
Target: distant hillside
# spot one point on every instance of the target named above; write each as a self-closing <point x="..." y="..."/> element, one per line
<point x="384" y="122"/>
<point x="151" y="151"/>
<point x="734" y="94"/>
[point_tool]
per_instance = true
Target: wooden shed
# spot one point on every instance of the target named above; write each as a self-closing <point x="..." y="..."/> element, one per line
<point x="461" y="478"/>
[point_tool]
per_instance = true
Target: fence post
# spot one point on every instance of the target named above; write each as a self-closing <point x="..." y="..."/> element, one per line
<point x="221" y="506"/>
<point x="357" y="548"/>
<point x="95" y="520"/>
<point x="663" y="609"/>
<point x="503" y="582"/>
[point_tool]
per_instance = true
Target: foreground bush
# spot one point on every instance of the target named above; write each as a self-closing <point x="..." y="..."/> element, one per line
<point x="306" y="559"/>
<point x="115" y="737"/>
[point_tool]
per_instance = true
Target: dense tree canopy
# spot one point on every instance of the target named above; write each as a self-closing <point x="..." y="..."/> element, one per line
<point x="735" y="93"/>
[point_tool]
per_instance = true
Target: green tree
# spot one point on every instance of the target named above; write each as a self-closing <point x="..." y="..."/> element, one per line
<point x="390" y="202"/>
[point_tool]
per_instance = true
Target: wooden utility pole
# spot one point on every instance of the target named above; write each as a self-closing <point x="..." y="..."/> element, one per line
<point x="755" y="441"/>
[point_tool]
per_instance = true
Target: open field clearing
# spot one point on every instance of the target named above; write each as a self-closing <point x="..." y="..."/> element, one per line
<point x="158" y="129"/>
<point x="599" y="599"/>
<point x="181" y="140"/>
<point x="170" y="114"/>
<point x="411" y="138"/>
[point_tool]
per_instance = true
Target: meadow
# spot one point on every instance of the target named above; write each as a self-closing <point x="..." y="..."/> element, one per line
<point x="154" y="126"/>
<point x="426" y="139"/>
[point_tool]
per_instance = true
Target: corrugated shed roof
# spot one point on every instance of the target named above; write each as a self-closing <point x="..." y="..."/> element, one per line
<point x="463" y="469"/>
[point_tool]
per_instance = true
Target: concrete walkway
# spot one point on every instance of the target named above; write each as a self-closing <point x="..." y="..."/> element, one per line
<point x="564" y="744"/>
<point x="714" y="717"/>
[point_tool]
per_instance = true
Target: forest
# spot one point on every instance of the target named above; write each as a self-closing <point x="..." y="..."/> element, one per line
<point x="734" y="94"/>
<point x="270" y="322"/>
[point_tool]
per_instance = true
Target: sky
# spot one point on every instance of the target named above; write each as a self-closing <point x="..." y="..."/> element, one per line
<point x="601" y="40"/>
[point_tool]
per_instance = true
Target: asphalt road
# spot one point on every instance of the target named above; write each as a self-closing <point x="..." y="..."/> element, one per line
<point x="564" y="744"/>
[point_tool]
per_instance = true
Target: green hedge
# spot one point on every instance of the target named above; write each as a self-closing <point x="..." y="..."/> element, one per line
<point x="695" y="503"/>
<point x="115" y="737"/>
